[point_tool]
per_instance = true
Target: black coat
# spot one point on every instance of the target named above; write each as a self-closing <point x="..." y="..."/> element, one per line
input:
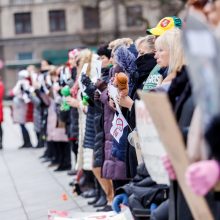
<point x="89" y="139"/>
<point x="181" y="100"/>
<point x="71" y="118"/>
<point x="142" y="190"/>
<point x="144" y="64"/>
<point x="183" y="105"/>
<point x="99" y="125"/>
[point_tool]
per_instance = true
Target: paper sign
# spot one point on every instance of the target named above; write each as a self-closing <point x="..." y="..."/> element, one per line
<point x="151" y="147"/>
<point x="162" y="115"/>
<point x="118" y="125"/>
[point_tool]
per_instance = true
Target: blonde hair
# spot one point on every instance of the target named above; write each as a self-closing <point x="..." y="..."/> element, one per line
<point x="120" y="41"/>
<point x="53" y="71"/>
<point x="171" y="41"/>
<point x="148" y="41"/>
<point x="85" y="56"/>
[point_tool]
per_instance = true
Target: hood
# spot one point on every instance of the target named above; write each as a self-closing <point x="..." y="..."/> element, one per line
<point x="145" y="64"/>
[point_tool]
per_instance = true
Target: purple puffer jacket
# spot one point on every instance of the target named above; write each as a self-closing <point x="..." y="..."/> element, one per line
<point x="112" y="167"/>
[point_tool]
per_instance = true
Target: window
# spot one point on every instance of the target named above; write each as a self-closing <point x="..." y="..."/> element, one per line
<point x="134" y="15"/>
<point x="57" y="20"/>
<point x="91" y="17"/>
<point x="22" y="23"/>
<point x="25" y="56"/>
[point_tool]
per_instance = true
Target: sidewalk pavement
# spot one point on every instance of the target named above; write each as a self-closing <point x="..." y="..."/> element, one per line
<point x="28" y="188"/>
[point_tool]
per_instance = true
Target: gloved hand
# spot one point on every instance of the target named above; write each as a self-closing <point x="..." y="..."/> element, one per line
<point x="85" y="80"/>
<point x="96" y="95"/>
<point x="118" y="200"/>
<point x="101" y="85"/>
<point x="202" y="176"/>
<point x="169" y="167"/>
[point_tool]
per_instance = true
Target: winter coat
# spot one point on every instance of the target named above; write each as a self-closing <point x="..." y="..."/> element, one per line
<point x="180" y="95"/>
<point x="71" y="120"/>
<point x="2" y="88"/>
<point x="142" y="188"/>
<point x="22" y="111"/>
<point x="54" y="133"/>
<point x="99" y="125"/>
<point x="112" y="168"/>
<point x="37" y="117"/>
<point x="89" y="139"/>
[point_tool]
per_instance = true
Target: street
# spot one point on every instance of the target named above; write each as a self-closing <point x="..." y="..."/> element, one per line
<point x="28" y="188"/>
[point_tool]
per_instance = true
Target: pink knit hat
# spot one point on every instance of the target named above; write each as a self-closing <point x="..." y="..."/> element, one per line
<point x="74" y="52"/>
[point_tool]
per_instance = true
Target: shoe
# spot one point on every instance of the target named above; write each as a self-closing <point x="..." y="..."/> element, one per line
<point x="72" y="172"/>
<point x="43" y="156"/>
<point x="46" y="159"/>
<point x="52" y="164"/>
<point x="92" y="202"/>
<point x="101" y="202"/>
<point x="89" y="194"/>
<point x="71" y="184"/>
<point x="107" y="208"/>
<point x="62" y="168"/>
<point x="29" y="145"/>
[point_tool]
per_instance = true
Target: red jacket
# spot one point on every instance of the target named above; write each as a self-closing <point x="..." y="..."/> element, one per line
<point x="2" y="88"/>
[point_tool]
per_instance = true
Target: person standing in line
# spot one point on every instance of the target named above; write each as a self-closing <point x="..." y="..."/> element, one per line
<point x="2" y="88"/>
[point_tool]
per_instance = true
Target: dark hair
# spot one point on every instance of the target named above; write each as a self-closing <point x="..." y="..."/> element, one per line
<point x="48" y="62"/>
<point x="103" y="50"/>
<point x="198" y="3"/>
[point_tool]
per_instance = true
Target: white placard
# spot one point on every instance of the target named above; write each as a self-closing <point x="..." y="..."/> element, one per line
<point x="151" y="147"/>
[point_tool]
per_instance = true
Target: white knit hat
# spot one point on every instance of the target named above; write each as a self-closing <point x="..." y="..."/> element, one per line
<point x="23" y="74"/>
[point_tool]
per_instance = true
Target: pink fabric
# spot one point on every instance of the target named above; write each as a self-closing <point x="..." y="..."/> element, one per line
<point x="54" y="133"/>
<point x="169" y="167"/>
<point x="202" y="176"/>
<point x="1" y="99"/>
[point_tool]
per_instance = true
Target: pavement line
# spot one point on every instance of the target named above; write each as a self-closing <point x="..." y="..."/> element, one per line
<point x="14" y="185"/>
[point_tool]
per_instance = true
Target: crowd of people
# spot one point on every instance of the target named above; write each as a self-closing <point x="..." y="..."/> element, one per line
<point x="76" y="106"/>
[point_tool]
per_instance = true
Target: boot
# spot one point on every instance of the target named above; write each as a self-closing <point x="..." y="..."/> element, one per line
<point x="102" y="201"/>
<point x="98" y="189"/>
<point x="26" y="138"/>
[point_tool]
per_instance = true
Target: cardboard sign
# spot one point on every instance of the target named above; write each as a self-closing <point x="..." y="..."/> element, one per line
<point x="162" y="115"/>
<point x="151" y="147"/>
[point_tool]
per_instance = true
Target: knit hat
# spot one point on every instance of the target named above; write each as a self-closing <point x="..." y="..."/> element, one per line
<point x="74" y="52"/>
<point x="23" y="74"/>
<point x="165" y="24"/>
<point x="104" y="51"/>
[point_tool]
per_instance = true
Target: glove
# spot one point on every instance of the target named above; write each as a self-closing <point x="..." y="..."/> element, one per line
<point x="101" y="85"/>
<point x="85" y="80"/>
<point x="118" y="200"/>
<point x="169" y="167"/>
<point x="202" y="176"/>
<point x="96" y="95"/>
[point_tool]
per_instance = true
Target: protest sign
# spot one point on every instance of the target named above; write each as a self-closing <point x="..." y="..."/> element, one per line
<point x="125" y="214"/>
<point x="162" y="115"/>
<point x="151" y="147"/>
<point x="118" y="124"/>
<point x="202" y="53"/>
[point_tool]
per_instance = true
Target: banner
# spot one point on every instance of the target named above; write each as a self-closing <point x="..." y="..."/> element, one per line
<point x="151" y="147"/>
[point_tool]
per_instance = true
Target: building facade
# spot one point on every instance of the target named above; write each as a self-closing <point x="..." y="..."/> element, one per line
<point x="32" y="30"/>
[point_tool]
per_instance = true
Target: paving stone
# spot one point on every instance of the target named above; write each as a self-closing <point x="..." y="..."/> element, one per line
<point x="28" y="187"/>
